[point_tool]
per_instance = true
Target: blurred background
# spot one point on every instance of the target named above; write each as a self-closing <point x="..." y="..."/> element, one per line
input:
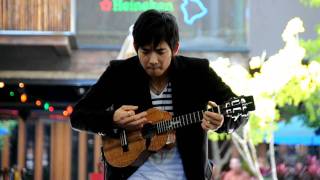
<point x="52" y="51"/>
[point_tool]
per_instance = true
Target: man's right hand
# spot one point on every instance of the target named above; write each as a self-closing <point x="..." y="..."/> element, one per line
<point x="125" y="117"/>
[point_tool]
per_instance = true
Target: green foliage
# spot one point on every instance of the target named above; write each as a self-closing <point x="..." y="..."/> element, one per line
<point x="311" y="105"/>
<point x="312" y="47"/>
<point x="312" y="109"/>
<point x="261" y="130"/>
<point x="311" y="3"/>
<point x="293" y="93"/>
<point x="7" y="124"/>
<point x="301" y="95"/>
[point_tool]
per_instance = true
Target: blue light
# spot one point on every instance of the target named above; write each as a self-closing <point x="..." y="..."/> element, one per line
<point x="190" y="20"/>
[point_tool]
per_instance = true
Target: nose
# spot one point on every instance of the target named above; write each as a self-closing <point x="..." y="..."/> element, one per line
<point x="153" y="58"/>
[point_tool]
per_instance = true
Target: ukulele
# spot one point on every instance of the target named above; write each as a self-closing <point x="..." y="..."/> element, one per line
<point x="133" y="147"/>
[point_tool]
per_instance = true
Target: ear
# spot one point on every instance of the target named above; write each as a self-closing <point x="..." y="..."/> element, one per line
<point x="135" y="46"/>
<point x="176" y="49"/>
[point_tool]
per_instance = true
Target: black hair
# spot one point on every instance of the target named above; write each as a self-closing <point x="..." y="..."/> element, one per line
<point x="153" y="26"/>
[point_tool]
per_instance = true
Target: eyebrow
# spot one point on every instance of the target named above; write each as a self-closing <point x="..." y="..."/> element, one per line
<point x="145" y="48"/>
<point x="157" y="49"/>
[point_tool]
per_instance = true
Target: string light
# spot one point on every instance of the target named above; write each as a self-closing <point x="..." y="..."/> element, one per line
<point x="65" y="113"/>
<point x="11" y="93"/>
<point x="38" y="102"/>
<point x="23" y="97"/>
<point x="46" y="106"/>
<point x="51" y="108"/>
<point x="21" y="85"/>
<point x="69" y="109"/>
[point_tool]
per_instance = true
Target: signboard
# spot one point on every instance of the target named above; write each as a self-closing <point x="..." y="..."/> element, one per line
<point x="204" y="24"/>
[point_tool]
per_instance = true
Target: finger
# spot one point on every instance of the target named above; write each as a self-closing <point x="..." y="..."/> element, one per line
<point x="135" y="125"/>
<point x="138" y="123"/>
<point x="213" y="119"/>
<point x="211" y="103"/>
<point x="125" y="114"/>
<point x="213" y="122"/>
<point x="129" y="107"/>
<point x="141" y="114"/>
<point x="129" y="113"/>
<point x="206" y="125"/>
<point x="213" y="115"/>
<point x="133" y="118"/>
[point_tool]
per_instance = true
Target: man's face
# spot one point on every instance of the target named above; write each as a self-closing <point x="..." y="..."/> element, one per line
<point x="235" y="164"/>
<point x="155" y="60"/>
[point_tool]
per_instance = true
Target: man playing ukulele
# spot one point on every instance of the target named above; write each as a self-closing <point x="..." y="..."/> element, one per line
<point x="157" y="77"/>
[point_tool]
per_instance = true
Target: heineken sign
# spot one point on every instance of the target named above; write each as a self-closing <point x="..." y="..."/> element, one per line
<point x="140" y="6"/>
<point x="135" y="6"/>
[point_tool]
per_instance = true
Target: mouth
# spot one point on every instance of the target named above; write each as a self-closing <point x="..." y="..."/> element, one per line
<point x="153" y="68"/>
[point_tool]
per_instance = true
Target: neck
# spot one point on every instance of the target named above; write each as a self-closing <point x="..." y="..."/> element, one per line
<point x="157" y="84"/>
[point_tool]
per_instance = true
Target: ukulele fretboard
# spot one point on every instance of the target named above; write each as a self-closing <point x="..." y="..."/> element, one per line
<point x="181" y="121"/>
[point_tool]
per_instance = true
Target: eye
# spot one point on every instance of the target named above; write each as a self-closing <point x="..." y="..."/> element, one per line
<point x="145" y="51"/>
<point x="161" y="52"/>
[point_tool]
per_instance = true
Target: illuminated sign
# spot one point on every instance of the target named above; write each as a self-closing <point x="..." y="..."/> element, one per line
<point x="140" y="6"/>
<point x="190" y="19"/>
<point x="134" y="6"/>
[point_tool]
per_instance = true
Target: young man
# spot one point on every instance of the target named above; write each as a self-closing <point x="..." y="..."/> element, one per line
<point x="157" y="77"/>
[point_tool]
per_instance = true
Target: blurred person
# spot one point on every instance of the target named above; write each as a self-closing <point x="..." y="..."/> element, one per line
<point x="300" y="172"/>
<point x="157" y="77"/>
<point x="283" y="171"/>
<point x="264" y="166"/>
<point x="236" y="172"/>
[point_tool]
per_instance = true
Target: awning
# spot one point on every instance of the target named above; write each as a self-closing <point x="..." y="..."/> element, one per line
<point x="296" y="132"/>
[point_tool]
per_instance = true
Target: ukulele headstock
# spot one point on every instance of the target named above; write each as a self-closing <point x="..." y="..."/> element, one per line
<point x="237" y="107"/>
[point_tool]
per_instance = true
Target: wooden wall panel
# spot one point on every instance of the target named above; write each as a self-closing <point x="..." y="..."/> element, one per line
<point x="60" y="165"/>
<point x="83" y="146"/>
<point x="5" y="153"/>
<point x="21" y="144"/>
<point x="39" y="150"/>
<point x="97" y="152"/>
<point x="35" y="15"/>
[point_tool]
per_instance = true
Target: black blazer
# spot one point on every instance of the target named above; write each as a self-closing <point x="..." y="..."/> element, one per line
<point x="125" y="82"/>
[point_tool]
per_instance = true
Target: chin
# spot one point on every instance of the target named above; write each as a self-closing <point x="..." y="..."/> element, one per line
<point x="155" y="74"/>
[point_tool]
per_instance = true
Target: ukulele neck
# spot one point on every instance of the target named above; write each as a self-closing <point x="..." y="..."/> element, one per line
<point x="183" y="120"/>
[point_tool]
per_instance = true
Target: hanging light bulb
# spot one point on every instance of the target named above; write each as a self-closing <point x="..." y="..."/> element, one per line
<point x="69" y="109"/>
<point x="51" y="108"/>
<point x="65" y="113"/>
<point x="46" y="106"/>
<point x="21" y="85"/>
<point x="11" y="93"/>
<point x="23" y="98"/>
<point x="2" y="84"/>
<point x="38" y="102"/>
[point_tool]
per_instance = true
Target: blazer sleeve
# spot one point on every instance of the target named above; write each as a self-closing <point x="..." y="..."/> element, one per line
<point x="94" y="111"/>
<point x="220" y="93"/>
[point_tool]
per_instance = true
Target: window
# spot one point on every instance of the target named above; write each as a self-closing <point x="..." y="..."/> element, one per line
<point x="205" y="25"/>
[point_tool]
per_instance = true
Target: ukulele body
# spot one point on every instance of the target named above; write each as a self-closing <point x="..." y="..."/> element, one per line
<point x="138" y="151"/>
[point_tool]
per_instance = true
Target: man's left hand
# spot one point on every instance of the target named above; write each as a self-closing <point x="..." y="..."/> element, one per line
<point x="212" y="120"/>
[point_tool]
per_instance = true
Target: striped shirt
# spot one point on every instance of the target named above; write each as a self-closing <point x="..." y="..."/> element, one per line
<point x="165" y="164"/>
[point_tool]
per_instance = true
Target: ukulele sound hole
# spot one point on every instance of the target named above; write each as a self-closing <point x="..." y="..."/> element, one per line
<point x="148" y="131"/>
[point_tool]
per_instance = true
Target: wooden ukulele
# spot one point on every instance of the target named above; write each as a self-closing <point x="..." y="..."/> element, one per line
<point x="133" y="148"/>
